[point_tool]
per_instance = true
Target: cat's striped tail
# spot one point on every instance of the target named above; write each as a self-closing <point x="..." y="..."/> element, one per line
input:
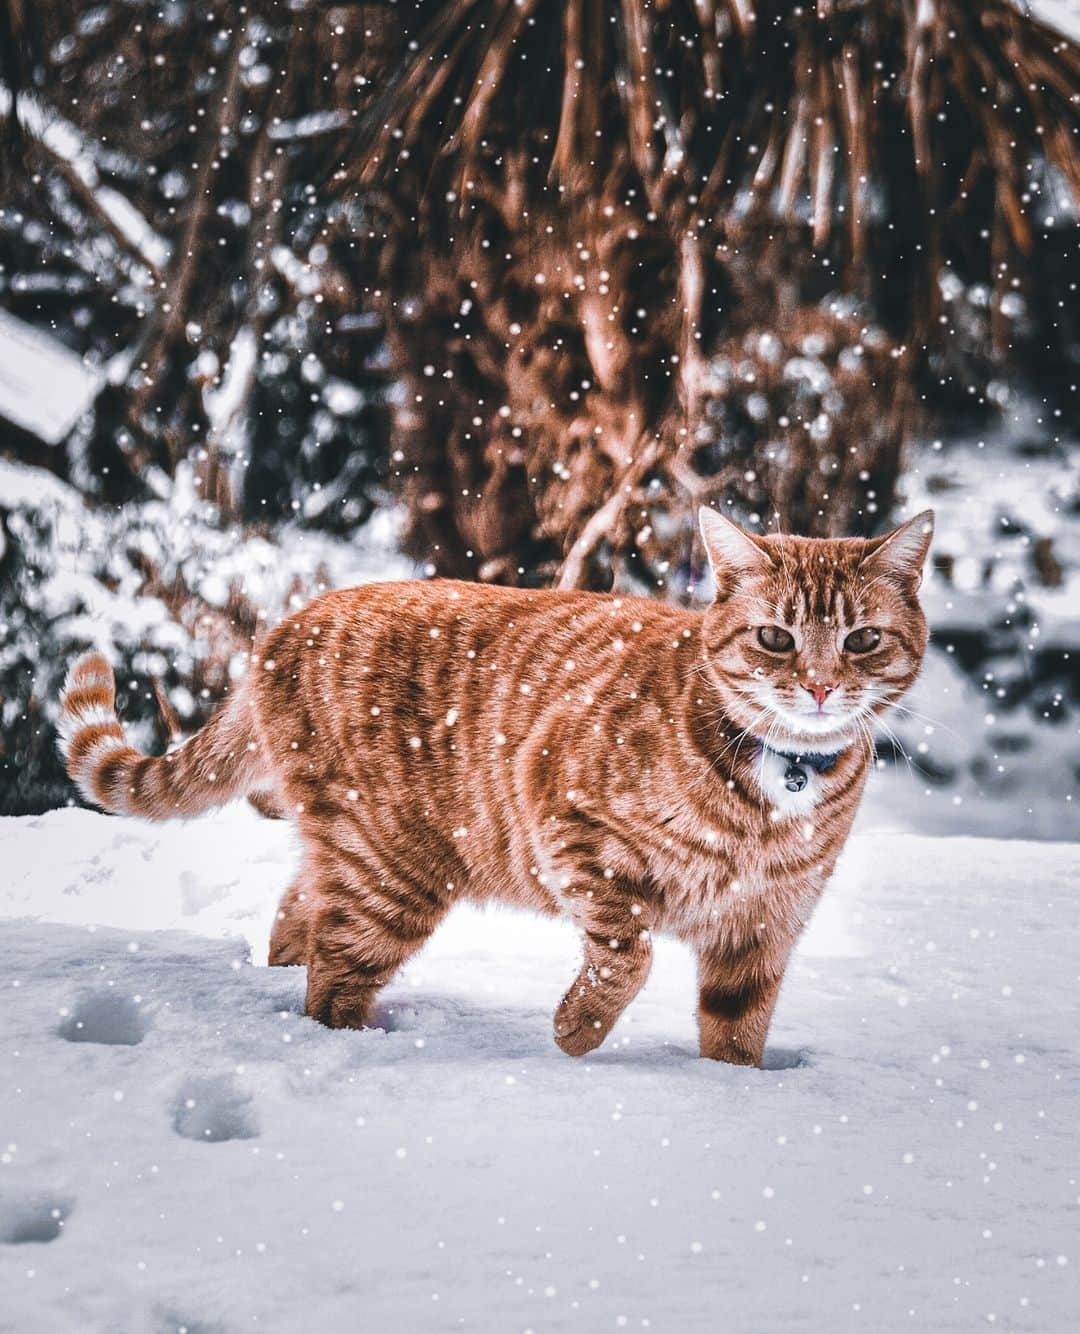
<point x="218" y="763"/>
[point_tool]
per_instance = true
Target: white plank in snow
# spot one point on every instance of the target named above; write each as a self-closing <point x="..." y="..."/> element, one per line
<point x="1061" y="14"/>
<point x="44" y="387"/>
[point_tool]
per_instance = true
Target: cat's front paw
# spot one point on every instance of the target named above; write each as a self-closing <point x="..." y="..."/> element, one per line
<point x="579" y="1031"/>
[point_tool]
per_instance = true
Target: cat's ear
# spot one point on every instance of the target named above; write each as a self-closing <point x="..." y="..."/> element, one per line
<point x="901" y="554"/>
<point x="732" y="553"/>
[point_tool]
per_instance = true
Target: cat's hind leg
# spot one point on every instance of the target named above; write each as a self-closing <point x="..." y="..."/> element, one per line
<point x="363" y="926"/>
<point x="618" y="954"/>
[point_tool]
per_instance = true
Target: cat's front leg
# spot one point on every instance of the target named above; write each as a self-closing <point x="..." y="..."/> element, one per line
<point x="292" y="925"/>
<point x="618" y="955"/>
<point x="737" y="994"/>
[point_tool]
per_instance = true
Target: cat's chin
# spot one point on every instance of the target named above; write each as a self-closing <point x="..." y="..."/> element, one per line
<point x="821" y="734"/>
<point x="827" y="736"/>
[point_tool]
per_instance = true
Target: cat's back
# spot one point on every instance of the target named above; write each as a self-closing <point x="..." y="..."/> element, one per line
<point x="424" y="604"/>
<point x="429" y="619"/>
<point x="461" y="601"/>
<point x="439" y="676"/>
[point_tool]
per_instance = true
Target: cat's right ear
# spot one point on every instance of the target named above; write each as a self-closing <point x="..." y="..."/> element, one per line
<point x="733" y="554"/>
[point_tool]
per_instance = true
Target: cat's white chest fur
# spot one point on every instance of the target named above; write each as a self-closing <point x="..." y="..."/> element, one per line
<point x="788" y="805"/>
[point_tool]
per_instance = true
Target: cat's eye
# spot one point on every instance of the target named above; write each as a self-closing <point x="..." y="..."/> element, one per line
<point x="862" y="641"/>
<point x="775" y="639"/>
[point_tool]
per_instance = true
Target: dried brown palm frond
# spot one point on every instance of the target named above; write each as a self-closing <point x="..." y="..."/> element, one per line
<point x="590" y="205"/>
<point x="847" y="118"/>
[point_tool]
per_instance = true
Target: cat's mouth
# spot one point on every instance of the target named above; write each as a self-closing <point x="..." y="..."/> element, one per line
<point x="787" y="724"/>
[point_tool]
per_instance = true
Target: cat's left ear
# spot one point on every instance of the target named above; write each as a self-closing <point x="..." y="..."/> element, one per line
<point x="732" y="553"/>
<point x="901" y="554"/>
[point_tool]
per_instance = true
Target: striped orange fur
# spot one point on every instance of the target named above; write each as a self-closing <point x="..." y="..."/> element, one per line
<point x="220" y="762"/>
<point x="591" y="755"/>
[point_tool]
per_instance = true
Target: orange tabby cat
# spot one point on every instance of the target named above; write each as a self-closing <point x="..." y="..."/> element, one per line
<point x="634" y="766"/>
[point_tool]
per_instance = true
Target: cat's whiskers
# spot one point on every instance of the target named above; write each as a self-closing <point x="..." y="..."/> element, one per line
<point x="765" y="746"/>
<point x="890" y="698"/>
<point x="699" y="668"/>
<point x="739" y="737"/>
<point x="897" y="744"/>
<point x="893" y="703"/>
<point x="709" y="771"/>
<point x="866" y="736"/>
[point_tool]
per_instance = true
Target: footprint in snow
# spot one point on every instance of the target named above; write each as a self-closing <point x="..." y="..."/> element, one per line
<point x="786" y="1058"/>
<point x="196" y="894"/>
<point x="212" y="1109"/>
<point x="107" y="1017"/>
<point x="171" y="1323"/>
<point x="30" y="1219"/>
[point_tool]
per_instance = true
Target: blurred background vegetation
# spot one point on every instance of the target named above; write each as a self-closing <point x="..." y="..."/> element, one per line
<point x="293" y="294"/>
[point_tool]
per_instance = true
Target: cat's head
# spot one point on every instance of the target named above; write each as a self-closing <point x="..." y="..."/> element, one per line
<point x="810" y="637"/>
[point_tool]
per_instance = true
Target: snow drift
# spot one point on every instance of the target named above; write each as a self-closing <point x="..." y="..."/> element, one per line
<point x="182" y="1149"/>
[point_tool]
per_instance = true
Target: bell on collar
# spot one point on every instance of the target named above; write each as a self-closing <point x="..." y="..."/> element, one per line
<point x="795" y="778"/>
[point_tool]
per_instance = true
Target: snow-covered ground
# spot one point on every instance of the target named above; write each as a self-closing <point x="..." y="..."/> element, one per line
<point x="180" y="1149"/>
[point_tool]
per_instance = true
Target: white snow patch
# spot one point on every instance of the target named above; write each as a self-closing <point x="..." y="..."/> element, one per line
<point x="44" y="387"/>
<point x="181" y="1147"/>
<point x="307" y="127"/>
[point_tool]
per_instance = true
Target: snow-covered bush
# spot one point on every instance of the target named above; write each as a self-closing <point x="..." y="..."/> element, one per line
<point x="171" y="594"/>
<point x="993" y="726"/>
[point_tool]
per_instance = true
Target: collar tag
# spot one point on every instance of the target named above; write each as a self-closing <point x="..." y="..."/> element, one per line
<point x="795" y="775"/>
<point x="821" y="764"/>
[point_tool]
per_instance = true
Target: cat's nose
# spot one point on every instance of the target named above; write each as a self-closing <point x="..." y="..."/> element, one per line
<point x="820" y="691"/>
